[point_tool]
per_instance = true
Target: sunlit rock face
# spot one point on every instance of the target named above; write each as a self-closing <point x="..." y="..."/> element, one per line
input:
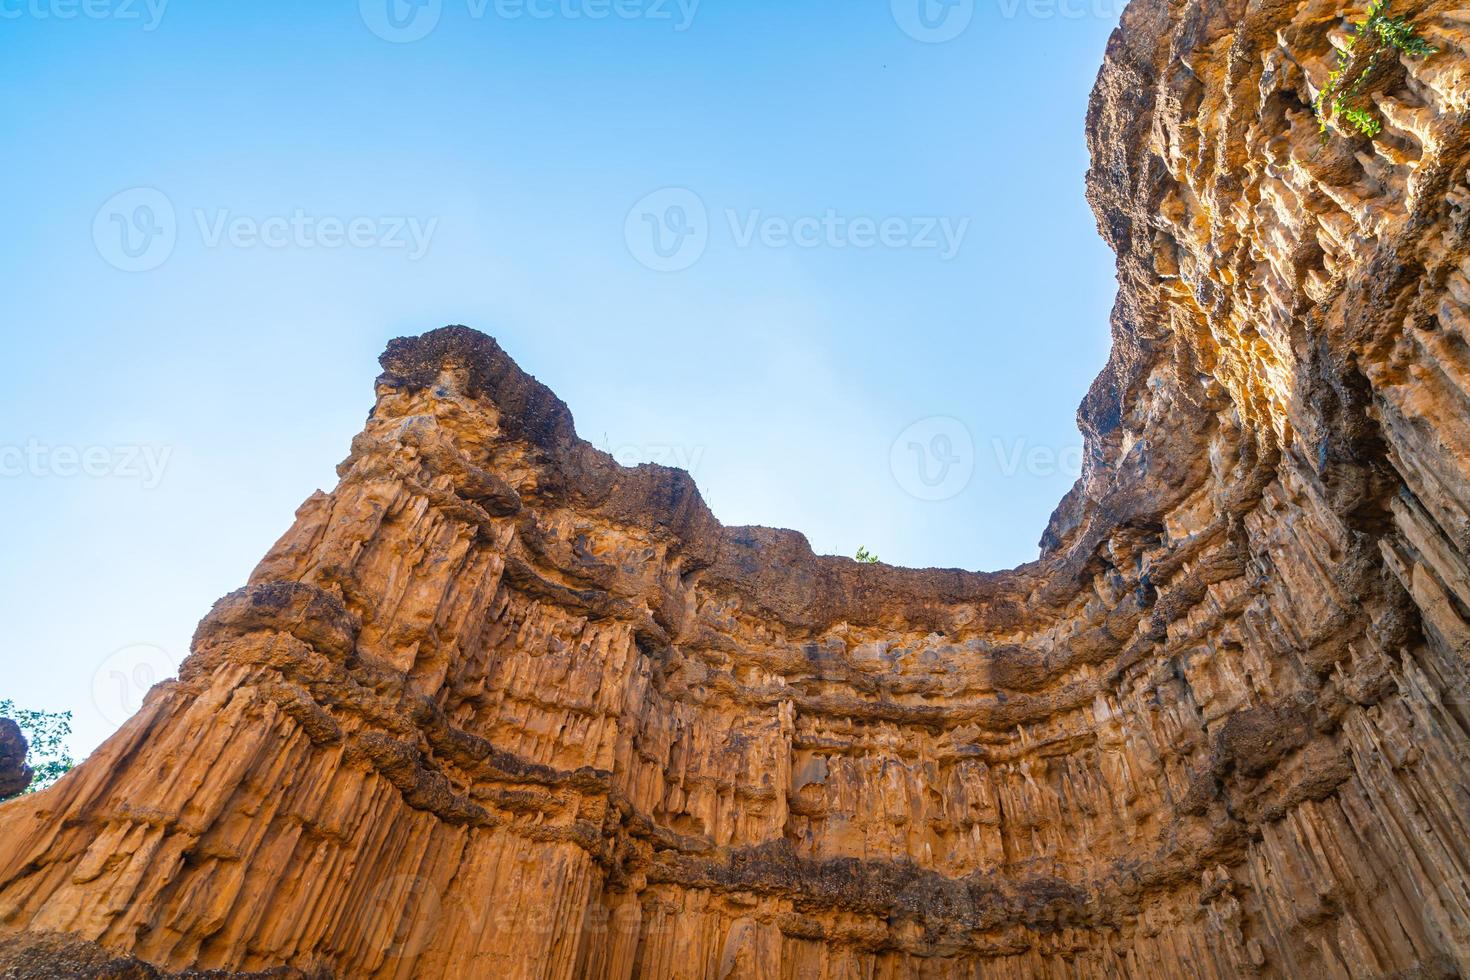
<point x="498" y="707"/>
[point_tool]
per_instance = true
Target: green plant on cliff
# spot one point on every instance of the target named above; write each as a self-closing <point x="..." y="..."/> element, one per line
<point x="1370" y="42"/>
<point x="865" y="556"/>
<point x="46" y="731"/>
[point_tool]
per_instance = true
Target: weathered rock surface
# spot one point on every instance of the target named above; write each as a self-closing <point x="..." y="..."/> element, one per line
<point x="15" y="775"/>
<point x="497" y="707"/>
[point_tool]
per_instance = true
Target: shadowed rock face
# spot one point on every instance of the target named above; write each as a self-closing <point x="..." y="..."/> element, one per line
<point x="498" y="707"/>
<point x="15" y="775"/>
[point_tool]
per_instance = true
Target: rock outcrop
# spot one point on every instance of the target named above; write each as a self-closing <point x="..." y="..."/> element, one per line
<point x="15" y="775"/>
<point x="498" y="707"/>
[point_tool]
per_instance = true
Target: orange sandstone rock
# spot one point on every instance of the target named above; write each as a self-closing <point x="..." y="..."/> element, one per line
<point x="497" y="707"/>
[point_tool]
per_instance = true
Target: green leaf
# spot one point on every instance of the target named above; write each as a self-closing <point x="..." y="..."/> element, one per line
<point x="46" y="731"/>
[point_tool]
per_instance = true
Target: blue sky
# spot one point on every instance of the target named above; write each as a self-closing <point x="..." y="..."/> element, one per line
<point x="875" y="298"/>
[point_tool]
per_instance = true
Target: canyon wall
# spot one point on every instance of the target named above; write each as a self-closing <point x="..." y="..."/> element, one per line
<point x="498" y="707"/>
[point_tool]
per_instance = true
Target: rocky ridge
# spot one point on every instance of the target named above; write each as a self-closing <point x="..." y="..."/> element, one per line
<point x="499" y="707"/>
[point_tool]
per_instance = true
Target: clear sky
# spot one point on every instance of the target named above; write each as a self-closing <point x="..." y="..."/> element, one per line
<point x="833" y="257"/>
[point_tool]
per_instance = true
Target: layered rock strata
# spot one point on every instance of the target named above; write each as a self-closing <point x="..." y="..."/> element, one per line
<point x="498" y="707"/>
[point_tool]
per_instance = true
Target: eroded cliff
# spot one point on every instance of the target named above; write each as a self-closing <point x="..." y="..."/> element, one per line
<point x="498" y="707"/>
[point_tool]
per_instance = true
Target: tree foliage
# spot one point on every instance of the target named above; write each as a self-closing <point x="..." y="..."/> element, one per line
<point x="46" y="731"/>
<point x="1347" y="96"/>
<point x="865" y="556"/>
